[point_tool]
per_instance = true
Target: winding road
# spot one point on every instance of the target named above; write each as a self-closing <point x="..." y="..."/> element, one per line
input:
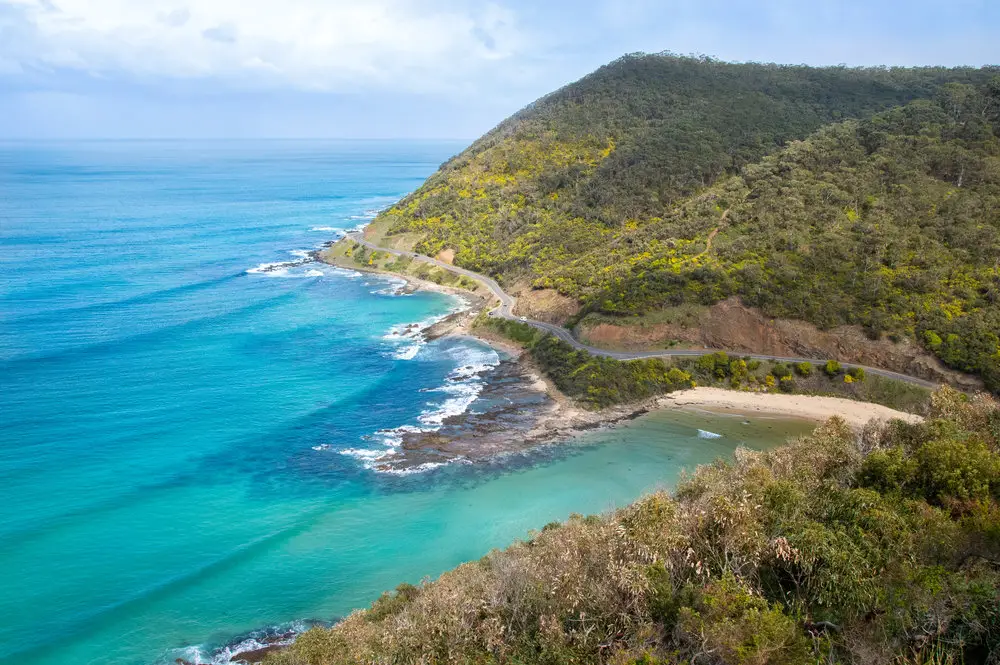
<point x="506" y="310"/>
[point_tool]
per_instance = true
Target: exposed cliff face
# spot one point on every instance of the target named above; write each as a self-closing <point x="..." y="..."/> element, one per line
<point x="545" y="305"/>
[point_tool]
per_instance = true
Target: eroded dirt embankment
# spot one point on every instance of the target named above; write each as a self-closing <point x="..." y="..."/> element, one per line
<point x="546" y="305"/>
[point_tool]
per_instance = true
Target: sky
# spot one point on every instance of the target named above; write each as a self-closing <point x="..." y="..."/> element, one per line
<point x="415" y="69"/>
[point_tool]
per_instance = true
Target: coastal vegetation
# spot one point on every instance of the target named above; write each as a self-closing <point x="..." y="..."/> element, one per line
<point x="836" y="196"/>
<point x="834" y="548"/>
<point x="599" y="382"/>
<point x="658" y="187"/>
<point x="595" y="381"/>
<point x="349" y="254"/>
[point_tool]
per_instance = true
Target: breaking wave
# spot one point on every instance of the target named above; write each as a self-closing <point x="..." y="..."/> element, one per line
<point x="286" y="268"/>
<point x="255" y="641"/>
<point x="369" y="214"/>
<point x="395" y="287"/>
<point x="405" y="340"/>
<point x="461" y="389"/>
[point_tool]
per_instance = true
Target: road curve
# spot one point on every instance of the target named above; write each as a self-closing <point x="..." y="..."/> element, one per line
<point x="506" y="310"/>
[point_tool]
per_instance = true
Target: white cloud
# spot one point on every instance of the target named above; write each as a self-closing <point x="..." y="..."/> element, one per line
<point x="309" y="44"/>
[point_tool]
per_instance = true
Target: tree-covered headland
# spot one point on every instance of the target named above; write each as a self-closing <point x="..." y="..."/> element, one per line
<point x="836" y="196"/>
<point x="868" y="197"/>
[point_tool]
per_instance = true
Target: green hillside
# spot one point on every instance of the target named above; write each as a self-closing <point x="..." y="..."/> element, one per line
<point x="821" y="551"/>
<point x="858" y="196"/>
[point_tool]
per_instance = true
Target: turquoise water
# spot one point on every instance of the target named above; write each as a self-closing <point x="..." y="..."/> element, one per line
<point x="174" y="421"/>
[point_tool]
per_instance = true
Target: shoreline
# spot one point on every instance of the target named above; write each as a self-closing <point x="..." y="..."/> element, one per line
<point x="818" y="408"/>
<point x="560" y="418"/>
<point x="414" y="283"/>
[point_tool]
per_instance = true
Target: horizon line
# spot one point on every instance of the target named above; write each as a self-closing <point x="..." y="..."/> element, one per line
<point x="13" y="139"/>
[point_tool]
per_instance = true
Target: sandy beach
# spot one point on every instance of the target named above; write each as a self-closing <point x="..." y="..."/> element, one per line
<point x="811" y="407"/>
<point x="560" y="418"/>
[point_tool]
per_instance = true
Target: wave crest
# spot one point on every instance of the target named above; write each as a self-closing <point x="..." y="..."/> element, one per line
<point x="462" y="388"/>
<point x="255" y="641"/>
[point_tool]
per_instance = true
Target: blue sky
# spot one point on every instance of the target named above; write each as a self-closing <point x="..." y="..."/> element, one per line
<point x="408" y="68"/>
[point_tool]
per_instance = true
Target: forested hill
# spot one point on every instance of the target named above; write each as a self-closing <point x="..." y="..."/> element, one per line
<point x="833" y="195"/>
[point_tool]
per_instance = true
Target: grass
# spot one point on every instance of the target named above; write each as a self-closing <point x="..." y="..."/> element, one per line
<point x="350" y="254"/>
<point x="685" y="315"/>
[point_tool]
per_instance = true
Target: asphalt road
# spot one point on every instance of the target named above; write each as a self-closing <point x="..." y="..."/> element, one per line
<point x="506" y="310"/>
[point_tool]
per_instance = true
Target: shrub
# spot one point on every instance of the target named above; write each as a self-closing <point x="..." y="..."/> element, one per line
<point x="887" y="471"/>
<point x="936" y="470"/>
<point x="804" y="369"/>
<point x="952" y="468"/>
<point x="857" y="373"/>
<point x="595" y="380"/>
<point x="832" y="368"/>
<point x="714" y="366"/>
<point x="786" y="384"/>
<point x="780" y="370"/>
<point x="389" y="604"/>
<point x="754" y="562"/>
<point x="737" y="626"/>
<point x="677" y="376"/>
<point x="738" y="370"/>
<point x="516" y="331"/>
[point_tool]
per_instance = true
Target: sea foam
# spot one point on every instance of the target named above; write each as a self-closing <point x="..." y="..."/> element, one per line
<point x="395" y="287"/>
<point x="281" y="635"/>
<point x="284" y="271"/>
<point x="462" y="388"/>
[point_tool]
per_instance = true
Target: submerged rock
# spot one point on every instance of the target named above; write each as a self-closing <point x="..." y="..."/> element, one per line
<point x="255" y="655"/>
<point x="508" y="407"/>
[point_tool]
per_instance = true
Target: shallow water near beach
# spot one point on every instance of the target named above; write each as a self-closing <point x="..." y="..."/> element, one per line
<point x="189" y="426"/>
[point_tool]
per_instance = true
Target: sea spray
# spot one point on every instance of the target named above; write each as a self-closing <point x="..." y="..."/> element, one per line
<point x="253" y="645"/>
<point x="462" y="388"/>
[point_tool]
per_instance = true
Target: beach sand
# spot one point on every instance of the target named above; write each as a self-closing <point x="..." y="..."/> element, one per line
<point x="811" y="407"/>
<point x="561" y="418"/>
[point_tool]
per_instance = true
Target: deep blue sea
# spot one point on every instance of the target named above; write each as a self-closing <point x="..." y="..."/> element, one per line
<point x="186" y="439"/>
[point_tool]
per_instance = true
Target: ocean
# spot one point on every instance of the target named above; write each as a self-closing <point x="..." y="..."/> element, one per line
<point x="189" y="431"/>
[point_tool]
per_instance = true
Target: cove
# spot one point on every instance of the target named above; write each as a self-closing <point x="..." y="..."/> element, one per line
<point x="174" y="420"/>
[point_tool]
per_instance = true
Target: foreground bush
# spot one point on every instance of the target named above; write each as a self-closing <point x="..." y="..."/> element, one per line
<point x="830" y="549"/>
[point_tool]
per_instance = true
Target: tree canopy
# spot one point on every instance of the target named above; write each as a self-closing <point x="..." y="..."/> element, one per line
<point x="834" y="195"/>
